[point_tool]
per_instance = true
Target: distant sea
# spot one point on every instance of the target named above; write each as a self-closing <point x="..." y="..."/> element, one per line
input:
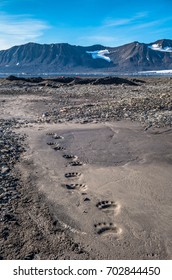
<point x="159" y="73"/>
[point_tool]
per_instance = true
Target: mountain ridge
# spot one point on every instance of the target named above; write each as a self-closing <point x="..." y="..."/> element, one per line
<point x="63" y="57"/>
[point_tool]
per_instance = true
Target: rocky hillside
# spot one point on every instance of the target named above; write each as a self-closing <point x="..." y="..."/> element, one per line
<point x="135" y="56"/>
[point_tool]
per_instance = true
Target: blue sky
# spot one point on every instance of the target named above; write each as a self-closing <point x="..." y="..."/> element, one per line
<point x="84" y="22"/>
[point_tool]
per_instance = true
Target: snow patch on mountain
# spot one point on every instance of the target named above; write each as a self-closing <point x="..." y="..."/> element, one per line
<point x="158" y="47"/>
<point x="100" y="54"/>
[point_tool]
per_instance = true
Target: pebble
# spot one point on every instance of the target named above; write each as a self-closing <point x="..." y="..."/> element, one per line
<point x="155" y="111"/>
<point x="10" y="150"/>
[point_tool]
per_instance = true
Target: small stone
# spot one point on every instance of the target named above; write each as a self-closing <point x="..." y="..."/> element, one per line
<point x="4" y="170"/>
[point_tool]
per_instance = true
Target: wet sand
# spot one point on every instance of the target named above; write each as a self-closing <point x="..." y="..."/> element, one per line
<point x="118" y="205"/>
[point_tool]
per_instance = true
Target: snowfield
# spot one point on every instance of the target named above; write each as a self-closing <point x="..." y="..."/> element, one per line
<point x="100" y="54"/>
<point x="157" y="47"/>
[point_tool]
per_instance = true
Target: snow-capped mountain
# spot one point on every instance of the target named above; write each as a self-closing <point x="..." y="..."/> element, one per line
<point x="162" y="46"/>
<point x="157" y="47"/>
<point x="135" y="56"/>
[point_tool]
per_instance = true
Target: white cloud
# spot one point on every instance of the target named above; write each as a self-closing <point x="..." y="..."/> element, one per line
<point x="124" y="21"/>
<point x="147" y="24"/>
<point x="153" y="23"/>
<point x="19" y="29"/>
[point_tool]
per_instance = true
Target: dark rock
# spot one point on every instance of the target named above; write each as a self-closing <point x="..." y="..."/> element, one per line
<point x="5" y="233"/>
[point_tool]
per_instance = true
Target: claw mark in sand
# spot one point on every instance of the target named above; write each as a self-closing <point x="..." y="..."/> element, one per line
<point x="50" y="133"/>
<point x="108" y="205"/>
<point x="72" y="174"/>
<point x="76" y="186"/>
<point x="51" y="143"/>
<point x="58" y="148"/>
<point x="56" y="136"/>
<point x="70" y="156"/>
<point x="75" y="163"/>
<point x="105" y="228"/>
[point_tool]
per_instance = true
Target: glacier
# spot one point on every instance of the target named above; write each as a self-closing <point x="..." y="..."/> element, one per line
<point x="100" y="54"/>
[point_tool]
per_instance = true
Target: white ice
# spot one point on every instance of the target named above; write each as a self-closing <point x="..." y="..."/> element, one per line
<point x="100" y="54"/>
<point x="158" y="71"/>
<point x="157" y="47"/>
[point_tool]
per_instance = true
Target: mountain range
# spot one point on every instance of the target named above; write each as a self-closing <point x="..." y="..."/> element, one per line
<point x="65" y="58"/>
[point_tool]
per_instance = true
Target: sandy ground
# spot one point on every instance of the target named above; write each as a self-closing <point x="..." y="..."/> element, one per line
<point x="121" y="205"/>
<point x="117" y="205"/>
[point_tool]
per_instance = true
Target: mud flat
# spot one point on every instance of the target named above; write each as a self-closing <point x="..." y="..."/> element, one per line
<point x="90" y="187"/>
